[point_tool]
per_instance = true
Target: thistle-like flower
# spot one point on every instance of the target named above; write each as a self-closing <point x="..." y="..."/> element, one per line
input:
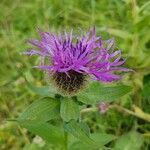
<point x="69" y="59"/>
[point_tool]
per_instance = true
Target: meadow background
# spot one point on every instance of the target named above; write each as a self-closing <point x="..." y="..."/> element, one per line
<point x="126" y="20"/>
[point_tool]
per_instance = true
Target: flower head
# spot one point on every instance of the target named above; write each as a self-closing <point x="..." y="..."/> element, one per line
<point x="103" y="107"/>
<point x="70" y="58"/>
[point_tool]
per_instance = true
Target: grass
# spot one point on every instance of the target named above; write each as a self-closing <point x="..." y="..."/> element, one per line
<point x="126" y="20"/>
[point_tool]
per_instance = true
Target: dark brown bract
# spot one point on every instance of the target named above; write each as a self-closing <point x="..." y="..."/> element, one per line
<point x="69" y="83"/>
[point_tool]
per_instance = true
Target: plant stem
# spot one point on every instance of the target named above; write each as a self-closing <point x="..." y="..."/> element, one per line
<point x="66" y="140"/>
<point x="86" y="110"/>
<point x="137" y="112"/>
<point x="121" y="109"/>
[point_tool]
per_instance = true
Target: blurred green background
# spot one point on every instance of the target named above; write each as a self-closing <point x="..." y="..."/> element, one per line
<point x="126" y="20"/>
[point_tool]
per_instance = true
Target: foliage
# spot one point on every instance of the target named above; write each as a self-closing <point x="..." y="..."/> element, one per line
<point x="75" y="121"/>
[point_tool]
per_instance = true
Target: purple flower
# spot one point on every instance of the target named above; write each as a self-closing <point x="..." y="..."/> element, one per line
<point x="75" y="56"/>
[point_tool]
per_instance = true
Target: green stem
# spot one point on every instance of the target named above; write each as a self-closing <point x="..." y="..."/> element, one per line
<point x="86" y="110"/>
<point x="122" y="109"/>
<point x="137" y="112"/>
<point x="66" y="140"/>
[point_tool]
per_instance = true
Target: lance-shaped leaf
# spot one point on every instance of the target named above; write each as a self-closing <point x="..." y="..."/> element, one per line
<point x="95" y="92"/>
<point x="78" y="130"/>
<point x="100" y="138"/>
<point x="40" y="111"/>
<point x="43" y="90"/>
<point x="69" y="109"/>
<point x="46" y="131"/>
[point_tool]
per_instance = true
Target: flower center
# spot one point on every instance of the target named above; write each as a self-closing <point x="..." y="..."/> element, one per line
<point x="71" y="83"/>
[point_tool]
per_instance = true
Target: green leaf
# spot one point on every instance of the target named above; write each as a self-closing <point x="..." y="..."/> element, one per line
<point x="80" y="146"/>
<point x="43" y="91"/>
<point x="85" y="128"/>
<point x="78" y="131"/>
<point x="69" y="109"/>
<point x="46" y="131"/>
<point x="40" y="111"/>
<point x="102" y="138"/>
<point x="129" y="141"/>
<point x="97" y="93"/>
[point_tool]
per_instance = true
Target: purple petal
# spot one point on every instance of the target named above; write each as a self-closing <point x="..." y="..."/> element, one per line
<point x="110" y="43"/>
<point x="86" y="54"/>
